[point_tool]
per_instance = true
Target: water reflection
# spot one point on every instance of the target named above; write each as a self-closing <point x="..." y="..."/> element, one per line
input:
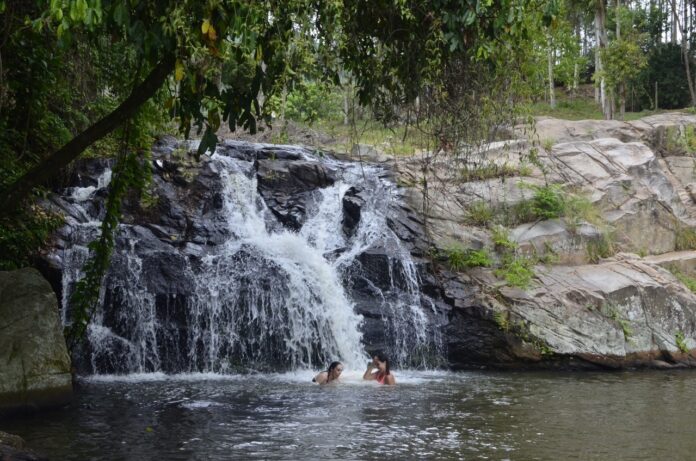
<point x="428" y="416"/>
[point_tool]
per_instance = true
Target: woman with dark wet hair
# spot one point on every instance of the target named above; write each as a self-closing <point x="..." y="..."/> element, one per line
<point x="330" y="375"/>
<point x="382" y="375"/>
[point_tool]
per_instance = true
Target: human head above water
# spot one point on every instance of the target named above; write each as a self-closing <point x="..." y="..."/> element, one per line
<point x="381" y="361"/>
<point x="335" y="370"/>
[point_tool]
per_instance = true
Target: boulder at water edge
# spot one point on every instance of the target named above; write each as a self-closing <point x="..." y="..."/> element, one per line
<point x="12" y="448"/>
<point x="34" y="361"/>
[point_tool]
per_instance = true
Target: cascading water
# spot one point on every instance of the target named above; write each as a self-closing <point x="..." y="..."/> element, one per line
<point x="268" y="296"/>
<point x="265" y="297"/>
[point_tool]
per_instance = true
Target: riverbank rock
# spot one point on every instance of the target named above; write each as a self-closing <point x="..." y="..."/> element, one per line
<point x="626" y="312"/>
<point x="12" y="448"/>
<point x="34" y="362"/>
<point x="624" y="187"/>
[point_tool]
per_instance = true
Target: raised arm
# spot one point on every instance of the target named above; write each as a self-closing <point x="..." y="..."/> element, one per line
<point x="369" y="373"/>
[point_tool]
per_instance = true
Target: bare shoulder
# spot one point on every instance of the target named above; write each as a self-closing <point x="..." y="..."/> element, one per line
<point x="321" y="378"/>
<point x="390" y="379"/>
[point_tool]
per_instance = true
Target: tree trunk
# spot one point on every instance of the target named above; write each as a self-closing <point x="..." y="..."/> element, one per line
<point x="345" y="106"/>
<point x="283" y="101"/>
<point x="684" y="50"/>
<point x="576" y="79"/>
<point x="675" y="21"/>
<point x="598" y="67"/>
<point x="552" y="92"/>
<point x="602" y="40"/>
<point x="618" y="19"/>
<point x="622" y="86"/>
<point x="50" y="166"/>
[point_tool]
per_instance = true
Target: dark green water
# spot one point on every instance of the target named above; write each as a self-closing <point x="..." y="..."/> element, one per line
<point x="444" y="416"/>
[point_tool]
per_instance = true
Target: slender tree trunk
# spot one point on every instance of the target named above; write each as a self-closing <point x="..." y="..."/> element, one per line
<point x="345" y="106"/>
<point x="685" y="51"/>
<point x="675" y="21"/>
<point x="602" y="40"/>
<point x="283" y="101"/>
<point x="618" y="19"/>
<point x="622" y="86"/>
<point x="15" y="194"/>
<point x="576" y="79"/>
<point x="598" y="66"/>
<point x="552" y="93"/>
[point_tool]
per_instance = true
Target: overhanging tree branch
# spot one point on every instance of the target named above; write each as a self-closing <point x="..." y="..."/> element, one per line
<point x="15" y="194"/>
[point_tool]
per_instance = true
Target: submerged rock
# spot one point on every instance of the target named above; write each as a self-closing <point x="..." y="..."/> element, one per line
<point x="34" y="361"/>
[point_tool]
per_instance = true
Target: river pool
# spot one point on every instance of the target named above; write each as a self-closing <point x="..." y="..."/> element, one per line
<point x="429" y="415"/>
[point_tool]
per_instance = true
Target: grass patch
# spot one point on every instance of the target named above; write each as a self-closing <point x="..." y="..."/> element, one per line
<point x="680" y="341"/>
<point x="578" y="209"/>
<point x="613" y="313"/>
<point x="685" y="238"/>
<point x="400" y="140"/>
<point x="516" y="271"/>
<point x="548" y="202"/>
<point x="579" y="109"/>
<point x="489" y="171"/>
<point x="547" y="144"/>
<point x="501" y="319"/>
<point x="689" y="282"/>
<point x="479" y="214"/>
<point x="601" y="248"/>
<point x="459" y="258"/>
<point x="501" y="240"/>
<point x="678" y="141"/>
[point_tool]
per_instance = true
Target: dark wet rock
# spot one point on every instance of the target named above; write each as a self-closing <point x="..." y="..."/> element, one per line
<point x="9" y="453"/>
<point x="376" y="267"/>
<point x="353" y="201"/>
<point x="11" y="440"/>
<point x="288" y="187"/>
<point x="85" y="172"/>
<point x="167" y="272"/>
<point x="293" y="176"/>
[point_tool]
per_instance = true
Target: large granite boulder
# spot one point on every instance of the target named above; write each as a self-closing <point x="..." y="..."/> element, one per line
<point x="34" y="361"/>
<point x="626" y="312"/>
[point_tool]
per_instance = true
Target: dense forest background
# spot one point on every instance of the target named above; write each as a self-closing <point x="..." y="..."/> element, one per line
<point x="106" y="77"/>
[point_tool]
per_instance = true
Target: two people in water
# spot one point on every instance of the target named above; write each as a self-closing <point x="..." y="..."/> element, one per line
<point x="377" y="370"/>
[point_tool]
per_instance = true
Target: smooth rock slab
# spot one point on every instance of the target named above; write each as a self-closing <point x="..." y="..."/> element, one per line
<point x="34" y="361"/>
<point x="623" y="313"/>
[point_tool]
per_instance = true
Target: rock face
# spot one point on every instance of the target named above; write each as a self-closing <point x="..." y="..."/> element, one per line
<point x="635" y="183"/>
<point x="625" y="312"/>
<point x="34" y="362"/>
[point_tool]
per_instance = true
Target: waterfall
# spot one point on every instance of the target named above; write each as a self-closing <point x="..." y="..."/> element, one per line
<point x="266" y="297"/>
